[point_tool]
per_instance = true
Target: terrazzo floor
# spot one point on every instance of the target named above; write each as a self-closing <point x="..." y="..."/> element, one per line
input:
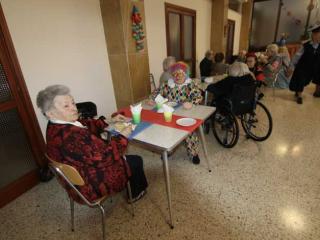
<point x="268" y="190"/>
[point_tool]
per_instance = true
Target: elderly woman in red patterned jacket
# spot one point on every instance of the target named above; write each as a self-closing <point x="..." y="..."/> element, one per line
<point x="77" y="144"/>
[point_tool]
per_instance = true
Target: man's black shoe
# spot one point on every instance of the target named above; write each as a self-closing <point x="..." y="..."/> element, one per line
<point x="316" y="94"/>
<point x="299" y="100"/>
<point x="196" y="159"/>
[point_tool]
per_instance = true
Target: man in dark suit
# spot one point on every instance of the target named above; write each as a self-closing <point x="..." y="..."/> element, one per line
<point x="206" y="65"/>
<point x="306" y="65"/>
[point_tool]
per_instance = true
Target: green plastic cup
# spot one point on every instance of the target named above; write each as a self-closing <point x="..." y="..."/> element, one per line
<point x="136" y="117"/>
<point x="167" y="116"/>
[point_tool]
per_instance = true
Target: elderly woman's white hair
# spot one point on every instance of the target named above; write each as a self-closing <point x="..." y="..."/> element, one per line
<point x="167" y="62"/>
<point x="238" y="69"/>
<point x="209" y="53"/>
<point x="46" y="97"/>
<point x="273" y="48"/>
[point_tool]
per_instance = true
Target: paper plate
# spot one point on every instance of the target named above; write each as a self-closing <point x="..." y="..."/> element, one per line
<point x="186" y="122"/>
<point x="172" y="104"/>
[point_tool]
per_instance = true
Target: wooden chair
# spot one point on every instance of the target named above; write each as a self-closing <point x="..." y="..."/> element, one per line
<point x="152" y="83"/>
<point x="72" y="177"/>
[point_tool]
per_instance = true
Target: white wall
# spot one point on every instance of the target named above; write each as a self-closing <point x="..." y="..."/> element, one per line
<point x="62" y="42"/>
<point x="235" y="16"/>
<point x="298" y="10"/>
<point x="156" y="30"/>
<point x="265" y="16"/>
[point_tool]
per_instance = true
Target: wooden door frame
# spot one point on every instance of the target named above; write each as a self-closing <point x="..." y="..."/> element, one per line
<point x="171" y="8"/>
<point x="24" y="105"/>
<point x="234" y="24"/>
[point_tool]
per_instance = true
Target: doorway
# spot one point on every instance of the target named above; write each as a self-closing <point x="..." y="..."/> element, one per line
<point x="181" y="34"/>
<point x="21" y="141"/>
<point x="230" y="39"/>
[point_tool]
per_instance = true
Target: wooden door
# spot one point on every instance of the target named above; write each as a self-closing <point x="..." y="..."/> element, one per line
<point x="21" y="142"/>
<point x="181" y="34"/>
<point x="230" y="39"/>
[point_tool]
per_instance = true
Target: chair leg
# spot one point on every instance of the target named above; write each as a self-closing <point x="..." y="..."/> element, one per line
<point x="130" y="198"/>
<point x="72" y="214"/>
<point x="273" y="91"/>
<point x="103" y="222"/>
<point x="274" y="87"/>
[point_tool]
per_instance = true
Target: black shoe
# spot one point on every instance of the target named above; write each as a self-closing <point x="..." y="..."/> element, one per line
<point x="260" y="96"/>
<point x="137" y="198"/>
<point x="316" y="94"/>
<point x="299" y="100"/>
<point x="196" y="159"/>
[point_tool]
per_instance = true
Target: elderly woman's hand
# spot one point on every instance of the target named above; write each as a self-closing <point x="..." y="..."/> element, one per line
<point x="187" y="105"/>
<point x="150" y="102"/>
<point x="119" y="118"/>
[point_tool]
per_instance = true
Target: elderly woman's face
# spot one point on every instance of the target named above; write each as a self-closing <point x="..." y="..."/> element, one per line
<point x="179" y="76"/>
<point x="270" y="53"/>
<point x="64" y="108"/>
<point x="251" y="62"/>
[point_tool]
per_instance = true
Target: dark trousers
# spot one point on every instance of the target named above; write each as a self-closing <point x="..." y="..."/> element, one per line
<point x="298" y="84"/>
<point x="138" y="180"/>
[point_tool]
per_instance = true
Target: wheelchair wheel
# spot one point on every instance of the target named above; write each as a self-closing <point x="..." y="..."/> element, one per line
<point x="258" y="124"/>
<point x="225" y="128"/>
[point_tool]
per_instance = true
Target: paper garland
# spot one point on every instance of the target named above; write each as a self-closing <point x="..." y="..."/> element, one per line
<point x="137" y="29"/>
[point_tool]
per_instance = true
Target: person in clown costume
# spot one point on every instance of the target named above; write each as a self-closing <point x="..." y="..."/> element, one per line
<point x="181" y="89"/>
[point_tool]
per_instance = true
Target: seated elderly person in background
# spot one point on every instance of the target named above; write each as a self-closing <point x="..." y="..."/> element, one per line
<point x="252" y="63"/>
<point x="100" y="163"/>
<point x="283" y="80"/>
<point x="239" y="74"/>
<point x="181" y="89"/>
<point x="218" y="67"/>
<point x="271" y="63"/>
<point x="166" y="64"/>
<point x="206" y="65"/>
<point x="241" y="57"/>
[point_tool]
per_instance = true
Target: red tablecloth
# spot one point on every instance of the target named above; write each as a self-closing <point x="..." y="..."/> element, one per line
<point x="158" y="118"/>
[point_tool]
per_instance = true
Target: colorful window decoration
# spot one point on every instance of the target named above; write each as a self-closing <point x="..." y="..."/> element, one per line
<point x="137" y="29"/>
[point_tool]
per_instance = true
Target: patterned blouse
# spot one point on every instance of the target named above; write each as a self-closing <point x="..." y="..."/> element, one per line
<point x="100" y="164"/>
<point x="180" y="93"/>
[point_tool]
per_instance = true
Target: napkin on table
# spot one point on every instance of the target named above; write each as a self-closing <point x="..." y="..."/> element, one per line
<point x="160" y="99"/>
<point x="136" y="108"/>
<point x="167" y="108"/>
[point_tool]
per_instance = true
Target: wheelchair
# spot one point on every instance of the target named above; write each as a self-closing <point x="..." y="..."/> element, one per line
<point x="243" y="104"/>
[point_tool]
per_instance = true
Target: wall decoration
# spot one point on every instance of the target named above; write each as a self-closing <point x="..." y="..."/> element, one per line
<point x="137" y="29"/>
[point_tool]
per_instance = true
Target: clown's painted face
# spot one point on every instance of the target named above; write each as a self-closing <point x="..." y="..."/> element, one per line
<point x="179" y="76"/>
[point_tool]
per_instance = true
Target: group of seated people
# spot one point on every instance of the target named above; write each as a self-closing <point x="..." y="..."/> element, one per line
<point x="208" y="67"/>
<point x="264" y="66"/>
